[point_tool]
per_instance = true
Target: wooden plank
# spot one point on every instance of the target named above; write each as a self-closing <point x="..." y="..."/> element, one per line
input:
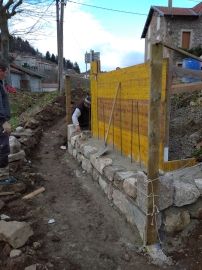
<point x="68" y="100"/>
<point x="154" y="140"/>
<point x="7" y="193"/>
<point x="186" y="87"/>
<point x="182" y="72"/>
<point x="178" y="164"/>
<point x="180" y="51"/>
<point x="34" y="193"/>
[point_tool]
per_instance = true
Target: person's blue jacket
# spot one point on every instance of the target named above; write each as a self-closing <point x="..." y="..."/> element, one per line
<point x="4" y="105"/>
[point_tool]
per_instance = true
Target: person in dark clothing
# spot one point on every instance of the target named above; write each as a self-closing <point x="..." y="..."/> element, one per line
<point x="5" y="130"/>
<point x="81" y="114"/>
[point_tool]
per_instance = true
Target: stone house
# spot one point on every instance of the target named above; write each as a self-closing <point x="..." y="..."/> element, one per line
<point x="179" y="27"/>
<point x="35" y="63"/>
<point x="25" y="79"/>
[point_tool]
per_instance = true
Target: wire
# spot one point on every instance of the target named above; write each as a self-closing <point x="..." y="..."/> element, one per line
<point x="194" y="1"/>
<point x="42" y="15"/>
<point x="109" y="9"/>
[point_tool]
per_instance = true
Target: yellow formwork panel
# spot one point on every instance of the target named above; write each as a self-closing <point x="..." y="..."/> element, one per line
<point x="129" y="126"/>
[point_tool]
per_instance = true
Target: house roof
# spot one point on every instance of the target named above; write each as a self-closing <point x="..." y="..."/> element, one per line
<point x="20" y="69"/>
<point x="166" y="11"/>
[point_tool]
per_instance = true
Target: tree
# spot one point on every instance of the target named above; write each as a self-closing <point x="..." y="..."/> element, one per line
<point x="53" y="58"/>
<point x="68" y="64"/>
<point x="76" y="67"/>
<point x="7" y="11"/>
<point x="11" y="8"/>
<point x="48" y="57"/>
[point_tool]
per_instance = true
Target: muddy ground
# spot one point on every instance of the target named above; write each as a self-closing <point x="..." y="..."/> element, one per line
<point x="87" y="231"/>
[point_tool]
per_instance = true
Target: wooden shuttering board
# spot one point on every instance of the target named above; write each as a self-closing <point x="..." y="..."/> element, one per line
<point x="129" y="127"/>
<point x="178" y="164"/>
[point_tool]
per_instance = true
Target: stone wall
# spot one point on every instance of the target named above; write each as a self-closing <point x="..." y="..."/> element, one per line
<point x="180" y="191"/>
<point x="170" y="32"/>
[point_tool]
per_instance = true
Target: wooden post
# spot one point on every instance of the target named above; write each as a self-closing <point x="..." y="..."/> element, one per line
<point x="95" y="99"/>
<point x="68" y="100"/>
<point x="154" y="140"/>
<point x="168" y="107"/>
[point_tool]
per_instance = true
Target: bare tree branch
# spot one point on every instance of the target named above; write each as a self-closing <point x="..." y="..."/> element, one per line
<point x="12" y="10"/>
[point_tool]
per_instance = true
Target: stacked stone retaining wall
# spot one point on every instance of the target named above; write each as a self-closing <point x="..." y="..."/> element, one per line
<point x="180" y="192"/>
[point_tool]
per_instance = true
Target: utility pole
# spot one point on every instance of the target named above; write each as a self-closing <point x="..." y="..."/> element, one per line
<point x="59" y="19"/>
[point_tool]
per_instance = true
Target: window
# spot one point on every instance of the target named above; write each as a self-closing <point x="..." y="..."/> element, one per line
<point x="158" y="23"/>
<point x="149" y="32"/>
<point x="186" y="39"/>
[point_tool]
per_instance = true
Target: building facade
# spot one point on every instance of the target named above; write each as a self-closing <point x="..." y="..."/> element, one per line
<point x="179" y="27"/>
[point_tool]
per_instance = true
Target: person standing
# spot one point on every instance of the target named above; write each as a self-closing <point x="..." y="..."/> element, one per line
<point x="81" y="115"/>
<point x="5" y="130"/>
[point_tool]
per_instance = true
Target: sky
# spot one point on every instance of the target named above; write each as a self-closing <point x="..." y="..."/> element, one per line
<point x="116" y="35"/>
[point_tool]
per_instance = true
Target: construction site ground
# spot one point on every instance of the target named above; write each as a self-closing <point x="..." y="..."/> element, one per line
<point x="75" y="226"/>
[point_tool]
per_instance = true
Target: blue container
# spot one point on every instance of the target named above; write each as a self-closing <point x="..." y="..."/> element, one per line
<point x="190" y="63"/>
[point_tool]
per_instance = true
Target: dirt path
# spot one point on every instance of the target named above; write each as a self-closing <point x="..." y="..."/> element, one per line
<point x="88" y="232"/>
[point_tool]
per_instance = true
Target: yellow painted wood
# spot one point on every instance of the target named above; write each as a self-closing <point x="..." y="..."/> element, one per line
<point x="178" y="164"/>
<point x="129" y="127"/>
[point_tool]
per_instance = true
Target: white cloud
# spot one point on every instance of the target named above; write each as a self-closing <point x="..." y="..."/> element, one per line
<point x="83" y="32"/>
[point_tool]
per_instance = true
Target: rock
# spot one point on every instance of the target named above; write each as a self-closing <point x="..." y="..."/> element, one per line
<point x="1" y="204"/>
<point x="95" y="175"/>
<point x="130" y="187"/>
<point x="19" y="129"/>
<point x="120" y="176"/>
<point x="15" y="145"/>
<point x="16" y="188"/>
<point x="103" y="184"/>
<point x="70" y="131"/>
<point x="142" y="189"/>
<point x="132" y="213"/>
<point x="15" y="253"/>
<point x="6" y="250"/>
<point x="176" y="220"/>
<point x="36" y="267"/>
<point x="15" y="233"/>
<point x="17" y="156"/>
<point x="166" y="191"/>
<point x="198" y="183"/>
<point x="195" y="209"/>
<point x="27" y="132"/>
<point x="37" y="245"/>
<point x="185" y="193"/>
<point x="50" y="266"/>
<point x="74" y="139"/>
<point x="89" y="150"/>
<point x="100" y="163"/>
<point x="74" y="153"/>
<point x="196" y="136"/>
<point x="32" y="123"/>
<point x="31" y="267"/>
<point x="158" y="256"/>
<point x="79" y="157"/>
<point x="4" y="217"/>
<point x="70" y="148"/>
<point x="86" y="165"/>
<point x="109" y="171"/>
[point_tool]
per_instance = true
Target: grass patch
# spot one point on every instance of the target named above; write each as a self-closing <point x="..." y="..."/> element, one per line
<point x="26" y="102"/>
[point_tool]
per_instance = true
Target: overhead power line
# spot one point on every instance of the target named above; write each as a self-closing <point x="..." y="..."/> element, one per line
<point x="194" y="1"/>
<point x="109" y="9"/>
